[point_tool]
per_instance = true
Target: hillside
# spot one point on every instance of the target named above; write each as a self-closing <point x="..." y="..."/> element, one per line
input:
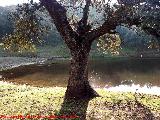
<point x="5" y="24"/>
<point x="52" y="44"/>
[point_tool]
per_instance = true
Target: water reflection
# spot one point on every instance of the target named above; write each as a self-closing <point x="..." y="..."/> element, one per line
<point x="114" y="72"/>
<point x="104" y="73"/>
<point x="154" y="90"/>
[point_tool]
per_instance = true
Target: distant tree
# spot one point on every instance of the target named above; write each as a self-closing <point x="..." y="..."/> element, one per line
<point x="72" y="19"/>
<point x="6" y="26"/>
<point x="28" y="28"/>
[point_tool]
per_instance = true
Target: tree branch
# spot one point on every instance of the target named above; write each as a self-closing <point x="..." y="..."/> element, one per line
<point x="58" y="14"/>
<point x="130" y="2"/>
<point x="82" y="24"/>
<point x="106" y="27"/>
<point x="86" y="12"/>
<point x="111" y="23"/>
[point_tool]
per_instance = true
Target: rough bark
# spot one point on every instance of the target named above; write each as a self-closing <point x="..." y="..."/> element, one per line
<point x="106" y="27"/>
<point x="83" y="25"/>
<point x="79" y="42"/>
<point x="78" y="84"/>
<point x="58" y="14"/>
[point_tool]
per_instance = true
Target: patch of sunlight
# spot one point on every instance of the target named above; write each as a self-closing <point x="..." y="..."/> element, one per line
<point x="24" y="99"/>
<point x="154" y="90"/>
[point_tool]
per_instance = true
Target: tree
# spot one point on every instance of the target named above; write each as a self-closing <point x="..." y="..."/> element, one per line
<point x="5" y="24"/>
<point x="79" y="33"/>
<point x="28" y="29"/>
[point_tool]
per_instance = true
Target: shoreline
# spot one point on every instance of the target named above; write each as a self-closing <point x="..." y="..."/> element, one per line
<point x="13" y="62"/>
<point x="152" y="90"/>
<point x="20" y="71"/>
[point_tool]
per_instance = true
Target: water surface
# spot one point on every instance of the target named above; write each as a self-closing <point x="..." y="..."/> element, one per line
<point x="107" y="72"/>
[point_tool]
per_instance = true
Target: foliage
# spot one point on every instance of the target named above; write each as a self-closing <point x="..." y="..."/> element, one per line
<point x="28" y="28"/>
<point x="143" y="14"/>
<point x="109" y="43"/>
<point x="151" y="16"/>
<point x="5" y="25"/>
<point x="129" y="37"/>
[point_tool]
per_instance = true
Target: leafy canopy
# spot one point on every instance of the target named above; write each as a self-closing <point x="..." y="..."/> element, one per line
<point x="88" y="15"/>
<point x="28" y="28"/>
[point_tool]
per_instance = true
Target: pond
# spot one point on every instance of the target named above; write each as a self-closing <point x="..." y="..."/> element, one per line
<point x="103" y="73"/>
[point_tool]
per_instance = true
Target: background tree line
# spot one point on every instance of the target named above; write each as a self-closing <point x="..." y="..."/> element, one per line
<point x="132" y="39"/>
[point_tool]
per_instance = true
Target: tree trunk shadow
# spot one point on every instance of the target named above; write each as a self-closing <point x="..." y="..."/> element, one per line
<point x="74" y="109"/>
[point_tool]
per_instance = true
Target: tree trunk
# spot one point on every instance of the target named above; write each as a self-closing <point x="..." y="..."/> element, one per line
<point x="78" y="84"/>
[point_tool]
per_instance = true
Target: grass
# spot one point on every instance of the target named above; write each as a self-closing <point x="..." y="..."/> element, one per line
<point x="28" y="100"/>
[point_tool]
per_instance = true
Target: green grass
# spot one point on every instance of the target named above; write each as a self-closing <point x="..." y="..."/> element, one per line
<point x="24" y="100"/>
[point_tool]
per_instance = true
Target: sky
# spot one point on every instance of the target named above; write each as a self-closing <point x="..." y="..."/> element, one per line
<point x="12" y="2"/>
<point x="15" y="2"/>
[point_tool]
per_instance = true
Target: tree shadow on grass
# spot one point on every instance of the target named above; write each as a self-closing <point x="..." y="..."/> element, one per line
<point x="76" y="109"/>
<point x="73" y="109"/>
